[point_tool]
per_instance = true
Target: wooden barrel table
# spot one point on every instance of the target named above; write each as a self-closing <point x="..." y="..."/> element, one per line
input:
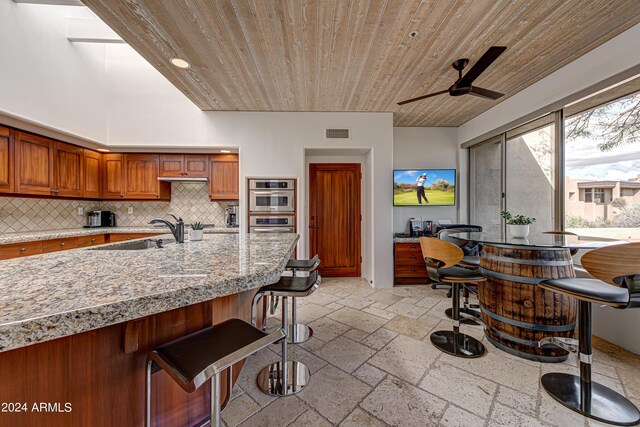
<point x="517" y="313"/>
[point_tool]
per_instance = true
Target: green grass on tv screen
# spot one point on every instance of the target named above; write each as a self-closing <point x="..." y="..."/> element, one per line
<point x="402" y="197"/>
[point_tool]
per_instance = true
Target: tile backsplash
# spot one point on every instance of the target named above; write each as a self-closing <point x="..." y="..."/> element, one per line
<point x="189" y="200"/>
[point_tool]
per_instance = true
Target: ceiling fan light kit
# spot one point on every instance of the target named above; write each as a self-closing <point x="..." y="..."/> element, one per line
<point x="463" y="86"/>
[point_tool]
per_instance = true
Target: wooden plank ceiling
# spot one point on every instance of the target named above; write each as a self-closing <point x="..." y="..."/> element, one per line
<point x="357" y="55"/>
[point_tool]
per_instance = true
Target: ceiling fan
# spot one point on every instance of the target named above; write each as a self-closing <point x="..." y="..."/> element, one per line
<point x="463" y="86"/>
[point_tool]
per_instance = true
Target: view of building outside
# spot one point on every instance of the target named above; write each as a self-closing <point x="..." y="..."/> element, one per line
<point x="602" y="170"/>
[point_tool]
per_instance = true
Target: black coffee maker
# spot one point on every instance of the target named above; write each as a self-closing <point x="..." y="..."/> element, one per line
<point x="101" y="219"/>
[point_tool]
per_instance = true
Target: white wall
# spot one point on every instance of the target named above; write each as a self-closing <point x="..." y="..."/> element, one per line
<point x="47" y="79"/>
<point x="615" y="56"/>
<point x="426" y="148"/>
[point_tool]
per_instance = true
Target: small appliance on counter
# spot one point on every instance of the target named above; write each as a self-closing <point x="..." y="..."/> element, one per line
<point x="101" y="219"/>
<point x="231" y="216"/>
<point x="420" y="227"/>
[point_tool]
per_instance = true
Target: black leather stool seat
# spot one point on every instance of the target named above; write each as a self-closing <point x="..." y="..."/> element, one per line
<point x="302" y="264"/>
<point x="470" y="260"/>
<point x="210" y="350"/>
<point x="292" y="285"/>
<point x="459" y="274"/>
<point x="592" y="290"/>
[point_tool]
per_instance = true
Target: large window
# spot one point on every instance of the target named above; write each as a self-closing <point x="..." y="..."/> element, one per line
<point x="485" y="162"/>
<point x="602" y="166"/>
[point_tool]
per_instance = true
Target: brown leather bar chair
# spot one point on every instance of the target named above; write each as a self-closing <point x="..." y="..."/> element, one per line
<point x="201" y="356"/>
<point x="580" y="271"/>
<point x="617" y="284"/>
<point x="467" y="261"/>
<point x="441" y="258"/>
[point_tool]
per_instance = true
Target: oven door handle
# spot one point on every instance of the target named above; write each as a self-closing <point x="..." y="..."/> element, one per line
<point x="273" y="193"/>
<point x="271" y="229"/>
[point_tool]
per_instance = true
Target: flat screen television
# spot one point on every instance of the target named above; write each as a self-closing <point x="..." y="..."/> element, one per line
<point x="424" y="187"/>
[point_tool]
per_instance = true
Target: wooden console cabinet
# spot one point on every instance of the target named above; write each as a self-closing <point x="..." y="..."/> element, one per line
<point x="409" y="266"/>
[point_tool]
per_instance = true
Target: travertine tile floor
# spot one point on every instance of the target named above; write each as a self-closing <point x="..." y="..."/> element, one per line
<point x="372" y="364"/>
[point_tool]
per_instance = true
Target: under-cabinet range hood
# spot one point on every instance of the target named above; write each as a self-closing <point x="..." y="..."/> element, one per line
<point x="181" y="179"/>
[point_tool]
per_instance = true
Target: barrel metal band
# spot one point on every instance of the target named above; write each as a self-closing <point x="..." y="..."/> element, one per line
<point x="528" y="262"/>
<point x="512" y="338"/>
<point x="532" y="326"/>
<point x="529" y="356"/>
<point x="511" y="278"/>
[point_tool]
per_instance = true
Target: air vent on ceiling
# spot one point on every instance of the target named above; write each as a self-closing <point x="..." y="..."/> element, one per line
<point x="337" y="133"/>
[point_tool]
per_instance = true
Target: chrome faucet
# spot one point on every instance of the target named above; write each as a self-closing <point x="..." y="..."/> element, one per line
<point x="177" y="230"/>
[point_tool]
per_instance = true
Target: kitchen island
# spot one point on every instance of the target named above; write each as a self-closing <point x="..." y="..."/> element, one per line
<point x="76" y="326"/>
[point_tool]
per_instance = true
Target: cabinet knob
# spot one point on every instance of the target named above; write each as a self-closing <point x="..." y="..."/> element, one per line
<point x="413" y="257"/>
<point x="61" y="243"/>
<point x="121" y="195"/>
<point x="23" y="249"/>
<point x="93" y="240"/>
<point x="128" y="238"/>
<point x="413" y="269"/>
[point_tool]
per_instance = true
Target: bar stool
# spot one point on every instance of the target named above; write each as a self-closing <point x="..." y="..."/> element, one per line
<point x="467" y="261"/>
<point x="617" y="284"/>
<point x="441" y="258"/>
<point x="273" y="379"/>
<point x="299" y="333"/>
<point x="194" y="359"/>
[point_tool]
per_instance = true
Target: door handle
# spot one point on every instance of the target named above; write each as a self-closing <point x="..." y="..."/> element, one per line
<point x="313" y="226"/>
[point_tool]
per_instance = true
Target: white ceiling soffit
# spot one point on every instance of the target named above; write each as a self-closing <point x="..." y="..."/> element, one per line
<point x="52" y="2"/>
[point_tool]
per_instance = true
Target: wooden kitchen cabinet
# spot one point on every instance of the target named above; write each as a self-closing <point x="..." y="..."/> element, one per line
<point x="223" y="177"/>
<point x="20" y="249"/>
<point x="56" y="245"/>
<point x="96" y="239"/>
<point x="409" y="265"/>
<point x="68" y="166"/>
<point x="184" y="166"/>
<point x="141" y="178"/>
<point x="121" y="237"/>
<point x="92" y="174"/>
<point x="34" y="172"/>
<point x="7" y="157"/>
<point x="113" y="176"/>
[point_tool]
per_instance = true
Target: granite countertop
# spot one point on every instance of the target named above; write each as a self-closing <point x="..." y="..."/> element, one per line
<point x="54" y="295"/>
<point x="407" y="239"/>
<point x="30" y="236"/>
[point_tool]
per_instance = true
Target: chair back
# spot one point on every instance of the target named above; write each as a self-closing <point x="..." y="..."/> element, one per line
<point x="614" y="264"/>
<point x="439" y="254"/>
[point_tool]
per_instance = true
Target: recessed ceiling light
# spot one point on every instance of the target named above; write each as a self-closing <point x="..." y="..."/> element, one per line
<point x="180" y="63"/>
<point x="104" y="150"/>
<point x="225" y="151"/>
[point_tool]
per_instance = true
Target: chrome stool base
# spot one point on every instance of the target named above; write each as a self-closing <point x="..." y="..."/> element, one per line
<point x="465" y="320"/>
<point x="457" y="344"/>
<point x="299" y="333"/>
<point x="600" y="403"/>
<point x="269" y="379"/>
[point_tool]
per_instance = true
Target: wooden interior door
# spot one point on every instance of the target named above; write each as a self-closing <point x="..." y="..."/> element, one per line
<point x="69" y="170"/>
<point x="334" y="217"/>
<point x="6" y="160"/>
<point x="34" y="165"/>
<point x="113" y="176"/>
<point x="92" y="175"/>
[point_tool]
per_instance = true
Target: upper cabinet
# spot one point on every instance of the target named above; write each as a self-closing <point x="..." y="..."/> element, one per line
<point x="34" y="165"/>
<point x="68" y="167"/>
<point x="6" y="160"/>
<point x="92" y="174"/>
<point x="223" y="177"/>
<point x="184" y="166"/>
<point x="113" y="176"/>
<point x="141" y="178"/>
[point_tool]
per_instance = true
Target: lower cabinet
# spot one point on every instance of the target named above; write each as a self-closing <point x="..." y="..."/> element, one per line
<point x="409" y="266"/>
<point x="17" y="250"/>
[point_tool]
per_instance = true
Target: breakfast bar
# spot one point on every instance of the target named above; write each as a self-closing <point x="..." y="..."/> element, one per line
<point x="76" y="326"/>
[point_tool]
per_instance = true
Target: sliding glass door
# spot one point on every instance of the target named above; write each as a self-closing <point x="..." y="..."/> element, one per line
<point x="530" y="173"/>
<point x="485" y="163"/>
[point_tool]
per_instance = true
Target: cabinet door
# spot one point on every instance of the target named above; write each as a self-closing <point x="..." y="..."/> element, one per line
<point x="34" y="165"/>
<point x="196" y="166"/>
<point x="223" y="177"/>
<point x="69" y="170"/>
<point x="141" y="176"/>
<point x="172" y="165"/>
<point x="6" y="160"/>
<point x="112" y="176"/>
<point x="92" y="174"/>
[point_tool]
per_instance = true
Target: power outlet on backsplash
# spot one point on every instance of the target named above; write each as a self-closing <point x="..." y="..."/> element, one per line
<point x="80" y="210"/>
<point x="189" y="200"/>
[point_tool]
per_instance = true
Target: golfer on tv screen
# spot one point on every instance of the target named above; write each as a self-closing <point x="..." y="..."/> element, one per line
<point x="435" y="187"/>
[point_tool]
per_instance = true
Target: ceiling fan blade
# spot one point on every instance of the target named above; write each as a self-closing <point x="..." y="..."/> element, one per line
<point x="483" y="63"/>
<point x="485" y="93"/>
<point x="423" y="97"/>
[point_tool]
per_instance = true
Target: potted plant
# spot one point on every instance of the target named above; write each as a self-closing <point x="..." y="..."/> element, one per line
<point x="196" y="232"/>
<point x="518" y="224"/>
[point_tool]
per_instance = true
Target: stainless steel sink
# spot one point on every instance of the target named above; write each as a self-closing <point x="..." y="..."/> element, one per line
<point x="137" y="245"/>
